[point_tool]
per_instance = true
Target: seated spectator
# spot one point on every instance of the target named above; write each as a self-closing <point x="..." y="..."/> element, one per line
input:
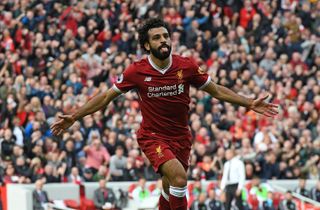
<point x="88" y="175"/>
<point x="200" y="203"/>
<point x="69" y="154"/>
<point x="50" y="175"/>
<point x="118" y="163"/>
<point x="10" y="175"/>
<point x="197" y="188"/>
<point x="101" y="174"/>
<point x="288" y="203"/>
<point x="213" y="203"/>
<point x="141" y="192"/>
<point x="268" y="203"/>
<point x="315" y="192"/>
<point x="301" y="189"/>
<point x="39" y="197"/>
<point x="158" y="189"/>
<point x="104" y="198"/>
<point x="75" y="177"/>
<point x="260" y="190"/>
<point x="22" y="169"/>
<point x="149" y="172"/>
<point x="130" y="173"/>
<point x="48" y="70"/>
<point x="7" y="143"/>
<point x="37" y="169"/>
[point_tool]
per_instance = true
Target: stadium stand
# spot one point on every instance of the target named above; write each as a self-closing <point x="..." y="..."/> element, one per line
<point x="56" y="55"/>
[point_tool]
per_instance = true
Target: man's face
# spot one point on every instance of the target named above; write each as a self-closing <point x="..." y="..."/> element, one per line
<point x="288" y="196"/>
<point x="159" y="43"/>
<point x="102" y="183"/>
<point x="229" y="154"/>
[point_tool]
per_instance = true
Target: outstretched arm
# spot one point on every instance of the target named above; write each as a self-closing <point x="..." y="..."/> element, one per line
<point x="258" y="105"/>
<point x="95" y="104"/>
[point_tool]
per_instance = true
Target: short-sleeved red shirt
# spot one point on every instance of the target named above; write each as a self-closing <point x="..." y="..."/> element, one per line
<point x="164" y="95"/>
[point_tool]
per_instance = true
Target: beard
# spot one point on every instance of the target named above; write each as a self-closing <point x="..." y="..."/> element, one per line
<point x="161" y="55"/>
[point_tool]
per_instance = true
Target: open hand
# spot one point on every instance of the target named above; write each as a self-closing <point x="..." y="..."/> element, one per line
<point x="63" y="123"/>
<point x="260" y="106"/>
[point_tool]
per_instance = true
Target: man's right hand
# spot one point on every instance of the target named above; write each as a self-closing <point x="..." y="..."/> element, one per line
<point x="62" y="124"/>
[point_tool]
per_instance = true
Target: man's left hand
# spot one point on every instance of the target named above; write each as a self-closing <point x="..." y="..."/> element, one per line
<point x="262" y="107"/>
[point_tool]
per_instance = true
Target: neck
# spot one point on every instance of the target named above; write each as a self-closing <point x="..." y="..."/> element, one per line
<point x="160" y="63"/>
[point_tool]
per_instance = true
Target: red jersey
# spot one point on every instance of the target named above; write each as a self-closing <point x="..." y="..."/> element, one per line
<point x="164" y="95"/>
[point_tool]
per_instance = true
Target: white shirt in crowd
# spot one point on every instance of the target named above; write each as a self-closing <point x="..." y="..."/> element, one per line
<point x="233" y="173"/>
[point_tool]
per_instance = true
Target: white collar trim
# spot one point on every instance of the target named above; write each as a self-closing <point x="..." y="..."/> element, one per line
<point x="164" y="70"/>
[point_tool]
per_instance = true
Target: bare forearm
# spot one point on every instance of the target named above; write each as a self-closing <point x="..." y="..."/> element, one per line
<point x="95" y="104"/>
<point x="225" y="94"/>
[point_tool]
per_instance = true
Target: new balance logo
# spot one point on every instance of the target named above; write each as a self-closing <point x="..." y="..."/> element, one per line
<point x="148" y="79"/>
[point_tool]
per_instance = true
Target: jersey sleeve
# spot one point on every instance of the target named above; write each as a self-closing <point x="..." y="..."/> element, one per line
<point x="198" y="77"/>
<point x="125" y="81"/>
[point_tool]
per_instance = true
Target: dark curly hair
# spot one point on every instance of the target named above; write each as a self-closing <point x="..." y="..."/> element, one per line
<point x="149" y="24"/>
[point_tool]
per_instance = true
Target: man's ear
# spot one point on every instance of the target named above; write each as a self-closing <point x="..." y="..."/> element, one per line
<point x="147" y="46"/>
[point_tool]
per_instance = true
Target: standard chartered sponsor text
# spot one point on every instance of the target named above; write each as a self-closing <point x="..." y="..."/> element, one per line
<point x="163" y="91"/>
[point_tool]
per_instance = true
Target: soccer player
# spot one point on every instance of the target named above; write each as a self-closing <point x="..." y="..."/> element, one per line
<point x="162" y="81"/>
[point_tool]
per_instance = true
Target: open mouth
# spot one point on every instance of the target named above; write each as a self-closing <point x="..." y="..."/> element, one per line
<point x="164" y="49"/>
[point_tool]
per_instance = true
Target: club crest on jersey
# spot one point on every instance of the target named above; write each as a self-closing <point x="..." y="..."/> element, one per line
<point x="180" y="75"/>
<point x="120" y="78"/>
<point x="159" y="152"/>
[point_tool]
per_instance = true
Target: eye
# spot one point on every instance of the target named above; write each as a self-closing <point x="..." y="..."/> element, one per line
<point x="156" y="37"/>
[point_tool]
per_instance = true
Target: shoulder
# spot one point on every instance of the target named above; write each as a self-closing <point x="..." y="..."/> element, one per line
<point x="109" y="189"/>
<point x="139" y="64"/>
<point x="183" y="60"/>
<point x="135" y="67"/>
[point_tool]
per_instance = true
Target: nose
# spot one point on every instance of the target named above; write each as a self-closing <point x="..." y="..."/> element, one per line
<point x="163" y="39"/>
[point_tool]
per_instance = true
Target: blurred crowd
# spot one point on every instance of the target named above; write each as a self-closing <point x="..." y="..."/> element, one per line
<point x="56" y="55"/>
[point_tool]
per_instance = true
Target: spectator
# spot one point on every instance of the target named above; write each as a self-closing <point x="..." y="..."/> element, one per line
<point x="199" y="203"/>
<point x="96" y="154"/>
<point x="74" y="176"/>
<point x="270" y="168"/>
<point x="268" y="203"/>
<point x="104" y="198"/>
<point x="101" y="174"/>
<point x="88" y="175"/>
<point x="51" y="175"/>
<point x="213" y="203"/>
<point x="198" y="188"/>
<point x="117" y="164"/>
<point x="260" y="190"/>
<point x="288" y="202"/>
<point x="246" y="13"/>
<point x="10" y="175"/>
<point x="40" y="197"/>
<point x="301" y="189"/>
<point x="7" y="143"/>
<point x="158" y="188"/>
<point x="22" y="170"/>
<point x="141" y="192"/>
<point x="247" y="45"/>
<point x="69" y="155"/>
<point x="315" y="192"/>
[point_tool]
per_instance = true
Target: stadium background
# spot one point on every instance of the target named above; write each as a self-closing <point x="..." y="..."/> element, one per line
<point x="56" y="55"/>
